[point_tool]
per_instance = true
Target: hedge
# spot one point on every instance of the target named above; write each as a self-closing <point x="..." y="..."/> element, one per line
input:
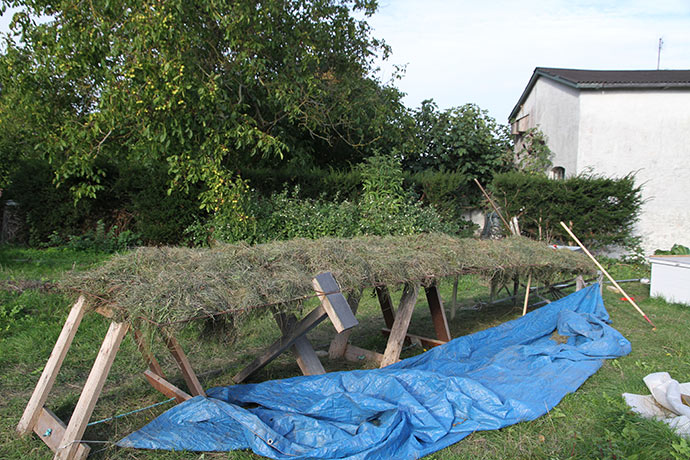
<point x="601" y="211"/>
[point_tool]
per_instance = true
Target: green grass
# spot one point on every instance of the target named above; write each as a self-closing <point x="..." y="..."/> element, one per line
<point x="590" y="423"/>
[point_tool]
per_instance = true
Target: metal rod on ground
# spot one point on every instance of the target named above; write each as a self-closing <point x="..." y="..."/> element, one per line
<point x="603" y="270"/>
<point x="524" y="306"/>
<point x="493" y="205"/>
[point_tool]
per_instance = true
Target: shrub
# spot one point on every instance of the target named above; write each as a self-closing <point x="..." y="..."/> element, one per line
<point x="48" y="211"/>
<point x="601" y="211"/>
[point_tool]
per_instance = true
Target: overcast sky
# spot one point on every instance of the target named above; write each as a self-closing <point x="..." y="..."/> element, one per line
<point x="485" y="51"/>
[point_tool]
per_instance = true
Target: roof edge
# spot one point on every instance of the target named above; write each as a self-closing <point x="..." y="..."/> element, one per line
<point x="538" y="72"/>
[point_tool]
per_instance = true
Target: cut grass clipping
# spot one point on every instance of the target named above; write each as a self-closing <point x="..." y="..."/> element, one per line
<point x="171" y="286"/>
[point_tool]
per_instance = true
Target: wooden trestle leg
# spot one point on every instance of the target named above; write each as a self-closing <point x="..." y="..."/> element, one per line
<point x="92" y="390"/>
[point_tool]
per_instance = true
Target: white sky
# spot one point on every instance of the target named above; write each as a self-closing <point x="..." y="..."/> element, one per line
<point x="485" y="51"/>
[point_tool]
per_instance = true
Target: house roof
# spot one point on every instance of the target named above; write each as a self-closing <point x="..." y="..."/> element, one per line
<point x="607" y="79"/>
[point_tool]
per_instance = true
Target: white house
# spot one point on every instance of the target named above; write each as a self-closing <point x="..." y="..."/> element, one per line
<point x="614" y="122"/>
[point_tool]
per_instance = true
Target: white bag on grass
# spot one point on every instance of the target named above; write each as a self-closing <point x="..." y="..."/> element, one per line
<point x="665" y="403"/>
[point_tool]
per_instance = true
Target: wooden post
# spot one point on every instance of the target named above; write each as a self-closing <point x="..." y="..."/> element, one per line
<point x="454" y="304"/>
<point x="304" y="353"/>
<point x="51" y="369"/>
<point x="92" y="390"/>
<point x="401" y="324"/>
<point x="386" y="305"/>
<point x="524" y="306"/>
<point x="580" y="283"/>
<point x="183" y="363"/>
<point x="438" y="314"/>
<point x="303" y="326"/>
<point x="339" y="342"/>
<point x="150" y="360"/>
<point x="333" y="302"/>
<point x="516" y="286"/>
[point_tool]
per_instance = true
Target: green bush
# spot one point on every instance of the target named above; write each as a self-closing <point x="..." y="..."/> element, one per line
<point x="159" y="215"/>
<point x="288" y="215"/>
<point x="601" y="211"/>
<point x="48" y="211"/>
<point x="312" y="182"/>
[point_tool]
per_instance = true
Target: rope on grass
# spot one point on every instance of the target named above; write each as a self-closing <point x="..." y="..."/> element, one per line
<point x="131" y="412"/>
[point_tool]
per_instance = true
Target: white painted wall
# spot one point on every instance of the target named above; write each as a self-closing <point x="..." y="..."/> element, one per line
<point x="646" y="132"/>
<point x="554" y="108"/>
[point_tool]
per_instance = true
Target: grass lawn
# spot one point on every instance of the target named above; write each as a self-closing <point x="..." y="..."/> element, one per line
<point x="590" y="423"/>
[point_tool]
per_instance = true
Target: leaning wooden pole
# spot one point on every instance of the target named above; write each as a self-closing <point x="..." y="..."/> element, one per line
<point x="493" y="205"/>
<point x="603" y="270"/>
<point x="524" y="306"/>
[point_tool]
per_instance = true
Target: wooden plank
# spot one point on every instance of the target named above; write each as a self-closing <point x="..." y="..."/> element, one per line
<point x="339" y="343"/>
<point x="333" y="301"/>
<point x="185" y="366"/>
<point x="150" y="360"/>
<point x="92" y="390"/>
<point x="51" y="369"/>
<point x="304" y="353"/>
<point x="425" y="342"/>
<point x="580" y="283"/>
<point x="303" y="326"/>
<point x="51" y="430"/>
<point x="357" y="355"/>
<point x="402" y="322"/>
<point x="386" y="305"/>
<point x="307" y="360"/>
<point x="165" y="387"/>
<point x="454" y="305"/>
<point x="438" y="313"/>
<point x="516" y="286"/>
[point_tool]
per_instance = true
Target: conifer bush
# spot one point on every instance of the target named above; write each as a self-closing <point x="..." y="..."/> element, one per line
<point x="601" y="211"/>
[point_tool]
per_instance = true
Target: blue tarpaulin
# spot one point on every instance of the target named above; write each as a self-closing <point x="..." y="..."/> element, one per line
<point x="484" y="381"/>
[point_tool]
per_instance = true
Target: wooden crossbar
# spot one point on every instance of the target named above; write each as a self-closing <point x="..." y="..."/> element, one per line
<point x="333" y="306"/>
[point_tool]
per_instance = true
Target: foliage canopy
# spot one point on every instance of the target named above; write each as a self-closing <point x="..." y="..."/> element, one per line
<point x="204" y="87"/>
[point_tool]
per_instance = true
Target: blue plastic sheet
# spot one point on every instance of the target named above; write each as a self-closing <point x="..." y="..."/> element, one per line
<point x="484" y="381"/>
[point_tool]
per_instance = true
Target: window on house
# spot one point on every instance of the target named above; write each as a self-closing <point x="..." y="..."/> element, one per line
<point x="557" y="173"/>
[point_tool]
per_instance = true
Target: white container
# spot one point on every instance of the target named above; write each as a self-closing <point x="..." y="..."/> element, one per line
<point x="671" y="278"/>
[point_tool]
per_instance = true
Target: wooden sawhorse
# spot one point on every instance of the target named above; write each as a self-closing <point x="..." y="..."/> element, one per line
<point x="397" y="325"/>
<point x="64" y="439"/>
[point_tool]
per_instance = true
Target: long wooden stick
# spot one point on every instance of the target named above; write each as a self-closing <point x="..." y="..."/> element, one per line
<point x="603" y="270"/>
<point x="493" y="205"/>
<point x="524" y="306"/>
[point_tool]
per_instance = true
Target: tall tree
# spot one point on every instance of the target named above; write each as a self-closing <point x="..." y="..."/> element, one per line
<point x="203" y="86"/>
<point x="460" y="139"/>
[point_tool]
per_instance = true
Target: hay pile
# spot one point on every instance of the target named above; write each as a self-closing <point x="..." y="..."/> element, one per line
<point x="176" y="285"/>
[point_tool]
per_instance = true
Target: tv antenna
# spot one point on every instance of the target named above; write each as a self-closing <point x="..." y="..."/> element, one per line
<point x="658" y="55"/>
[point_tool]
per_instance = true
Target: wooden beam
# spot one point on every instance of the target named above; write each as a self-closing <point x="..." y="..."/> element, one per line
<point x="92" y="390"/>
<point x="454" y="305"/>
<point x="165" y="387"/>
<point x="386" y="305"/>
<point x="150" y="360"/>
<point x="303" y="326"/>
<point x="339" y="342"/>
<point x="304" y="353"/>
<point x="580" y="283"/>
<point x="185" y="366"/>
<point x="357" y="355"/>
<point x="51" y="430"/>
<point x="333" y="302"/>
<point x="438" y="313"/>
<point x="51" y="369"/>
<point x="425" y="342"/>
<point x="402" y="322"/>
<point x="307" y="360"/>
